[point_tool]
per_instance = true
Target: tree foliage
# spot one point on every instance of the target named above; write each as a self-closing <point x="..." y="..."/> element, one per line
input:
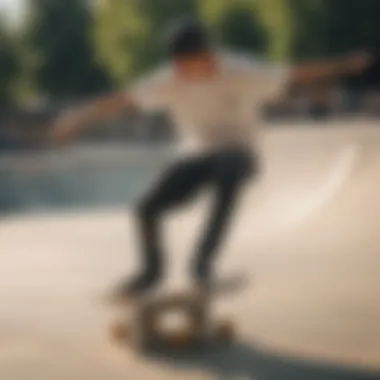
<point x="8" y="68"/>
<point x="78" y="47"/>
<point x="59" y="35"/>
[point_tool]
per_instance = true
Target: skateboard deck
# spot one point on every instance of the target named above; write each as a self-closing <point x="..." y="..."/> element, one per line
<point x="144" y="329"/>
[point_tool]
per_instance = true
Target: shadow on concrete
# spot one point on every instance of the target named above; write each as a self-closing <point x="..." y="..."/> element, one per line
<point x="241" y="361"/>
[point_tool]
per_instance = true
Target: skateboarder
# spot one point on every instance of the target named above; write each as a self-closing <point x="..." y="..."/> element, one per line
<point x="215" y="102"/>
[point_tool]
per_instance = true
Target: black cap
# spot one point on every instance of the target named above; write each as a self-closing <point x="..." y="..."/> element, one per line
<point x="186" y="37"/>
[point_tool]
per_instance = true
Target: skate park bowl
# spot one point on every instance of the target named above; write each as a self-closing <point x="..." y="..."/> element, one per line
<point x="306" y="234"/>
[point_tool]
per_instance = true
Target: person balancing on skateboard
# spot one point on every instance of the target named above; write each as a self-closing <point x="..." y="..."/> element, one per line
<point x="214" y="100"/>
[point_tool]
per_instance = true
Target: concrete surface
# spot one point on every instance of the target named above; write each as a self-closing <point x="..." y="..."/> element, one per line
<point x="307" y="236"/>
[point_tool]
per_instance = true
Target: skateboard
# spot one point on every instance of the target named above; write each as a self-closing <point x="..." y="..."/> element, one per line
<point x="144" y="329"/>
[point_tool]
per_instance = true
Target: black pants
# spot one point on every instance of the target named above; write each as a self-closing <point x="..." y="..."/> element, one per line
<point x="224" y="172"/>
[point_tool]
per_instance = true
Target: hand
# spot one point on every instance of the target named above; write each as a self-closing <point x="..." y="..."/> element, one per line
<point x="359" y="62"/>
<point x="62" y="131"/>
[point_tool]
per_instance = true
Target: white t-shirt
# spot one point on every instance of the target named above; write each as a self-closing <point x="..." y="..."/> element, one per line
<point x="220" y="112"/>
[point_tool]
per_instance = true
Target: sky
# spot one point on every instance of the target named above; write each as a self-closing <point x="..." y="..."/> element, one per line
<point x="12" y="8"/>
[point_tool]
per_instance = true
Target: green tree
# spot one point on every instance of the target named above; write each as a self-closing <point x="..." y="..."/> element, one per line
<point x="326" y="28"/>
<point x="120" y="32"/>
<point x="350" y="24"/>
<point x="309" y="34"/>
<point x="276" y="17"/>
<point x="128" y="35"/>
<point x="9" y="67"/>
<point x="257" y="26"/>
<point x="242" y="30"/>
<point x="160" y="15"/>
<point x="66" y="65"/>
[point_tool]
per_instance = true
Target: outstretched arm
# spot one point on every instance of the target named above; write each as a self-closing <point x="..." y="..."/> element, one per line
<point x="351" y="65"/>
<point x="146" y="94"/>
<point x="69" y="124"/>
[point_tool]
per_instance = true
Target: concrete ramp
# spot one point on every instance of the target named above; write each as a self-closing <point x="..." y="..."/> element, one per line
<point x="307" y="237"/>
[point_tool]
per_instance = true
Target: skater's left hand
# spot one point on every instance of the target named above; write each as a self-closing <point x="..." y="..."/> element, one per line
<point x="358" y="62"/>
<point x="63" y="131"/>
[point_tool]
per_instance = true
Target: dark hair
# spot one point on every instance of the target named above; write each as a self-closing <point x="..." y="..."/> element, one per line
<point x="186" y="38"/>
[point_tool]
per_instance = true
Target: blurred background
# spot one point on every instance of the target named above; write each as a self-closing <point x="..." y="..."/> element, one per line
<point x="308" y="232"/>
<point x="58" y="54"/>
<point x="55" y="54"/>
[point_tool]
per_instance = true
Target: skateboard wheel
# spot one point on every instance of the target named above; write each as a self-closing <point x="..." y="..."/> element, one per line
<point x="119" y="332"/>
<point x="225" y="331"/>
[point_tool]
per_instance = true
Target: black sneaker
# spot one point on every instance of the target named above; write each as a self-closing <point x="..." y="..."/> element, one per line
<point x="202" y="275"/>
<point x="129" y="290"/>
